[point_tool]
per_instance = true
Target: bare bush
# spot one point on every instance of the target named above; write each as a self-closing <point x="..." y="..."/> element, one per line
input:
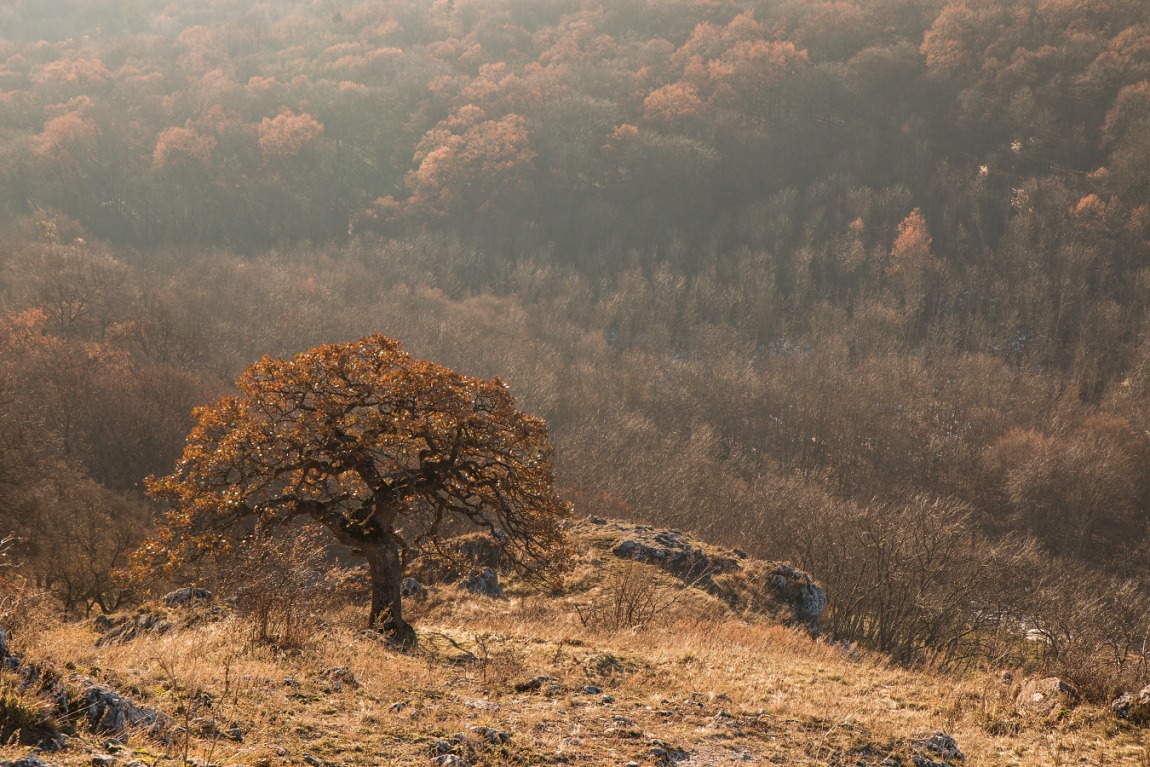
<point x="632" y="596"/>
<point x="11" y="590"/>
<point x="25" y="609"/>
<point x="282" y="584"/>
<point x="920" y="581"/>
<point x="909" y="579"/>
<point x="1071" y="621"/>
<point x="501" y="660"/>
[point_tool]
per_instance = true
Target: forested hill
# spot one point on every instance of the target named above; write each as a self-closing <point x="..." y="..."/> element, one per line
<point x="791" y="126"/>
<point x="825" y="279"/>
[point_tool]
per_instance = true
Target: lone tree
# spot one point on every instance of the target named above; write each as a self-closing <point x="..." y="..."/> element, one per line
<point x="385" y="451"/>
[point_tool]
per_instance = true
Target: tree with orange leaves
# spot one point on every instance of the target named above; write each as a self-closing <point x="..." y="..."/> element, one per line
<point x="387" y="452"/>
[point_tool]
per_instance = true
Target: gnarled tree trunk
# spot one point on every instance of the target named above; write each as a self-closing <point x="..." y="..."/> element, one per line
<point x="378" y="544"/>
<point x="385" y="566"/>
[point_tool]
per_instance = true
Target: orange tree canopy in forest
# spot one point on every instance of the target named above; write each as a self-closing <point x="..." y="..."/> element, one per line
<point x="383" y="450"/>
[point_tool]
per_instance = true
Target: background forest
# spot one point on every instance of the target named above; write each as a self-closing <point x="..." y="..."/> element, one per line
<point x="860" y="285"/>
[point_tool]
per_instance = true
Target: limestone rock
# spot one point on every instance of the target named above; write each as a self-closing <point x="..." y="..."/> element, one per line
<point x="448" y="752"/>
<point x="485" y="582"/>
<point x="412" y="589"/>
<point x="337" y="677"/>
<point x="186" y="596"/>
<point x="803" y="595"/>
<point x="665" y="754"/>
<point x="110" y="712"/>
<point x="123" y="630"/>
<point x="492" y="736"/>
<point x="673" y="552"/>
<point x="941" y="744"/>
<point x="481" y="705"/>
<point x="1133" y="707"/>
<point x="1044" y="698"/>
<point x="534" y="683"/>
<point x="731" y="575"/>
<point x="918" y="760"/>
<point x="30" y="760"/>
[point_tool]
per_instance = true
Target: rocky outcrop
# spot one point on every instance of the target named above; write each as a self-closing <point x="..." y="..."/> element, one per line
<point x="106" y="710"/>
<point x="449" y="752"/>
<point x="935" y="750"/>
<point x="673" y="552"/>
<point x="1133" y="707"/>
<point x="31" y="760"/>
<point x="803" y="595"/>
<point x="177" y="610"/>
<point x="109" y="712"/>
<point x="125" y="629"/>
<point x="459" y="750"/>
<point x="731" y="575"/>
<point x="187" y="596"/>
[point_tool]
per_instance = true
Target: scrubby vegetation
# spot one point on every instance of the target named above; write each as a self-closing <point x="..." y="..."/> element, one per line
<point x="861" y="286"/>
<point x="524" y="681"/>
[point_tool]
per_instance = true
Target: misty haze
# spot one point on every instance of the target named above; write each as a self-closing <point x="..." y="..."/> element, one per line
<point x="484" y="382"/>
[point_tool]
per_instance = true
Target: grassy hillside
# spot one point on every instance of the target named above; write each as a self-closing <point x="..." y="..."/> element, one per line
<point x="696" y="683"/>
<point x="822" y="280"/>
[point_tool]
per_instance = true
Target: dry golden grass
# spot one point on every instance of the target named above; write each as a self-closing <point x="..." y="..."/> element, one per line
<point x="723" y="688"/>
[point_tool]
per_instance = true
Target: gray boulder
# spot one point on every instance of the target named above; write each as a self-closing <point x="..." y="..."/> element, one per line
<point x="412" y="589"/>
<point x="110" y="712"/>
<point x="665" y="754"/>
<point x="940" y="744"/>
<point x="450" y="760"/>
<point x="485" y="582"/>
<point x="491" y="735"/>
<point x="1133" y="707"/>
<point x="1045" y="698"/>
<point x="802" y="594"/>
<point x="935" y="745"/>
<point x="186" y="596"/>
<point x="447" y="753"/>
<point x="30" y="760"/>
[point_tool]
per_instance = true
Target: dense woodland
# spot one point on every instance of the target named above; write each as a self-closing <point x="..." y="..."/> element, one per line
<point x="862" y="285"/>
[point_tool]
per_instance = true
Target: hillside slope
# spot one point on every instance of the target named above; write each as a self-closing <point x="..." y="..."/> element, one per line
<point x="536" y="678"/>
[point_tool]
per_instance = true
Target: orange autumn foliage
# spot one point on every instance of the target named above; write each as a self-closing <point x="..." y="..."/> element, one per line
<point x="386" y="451"/>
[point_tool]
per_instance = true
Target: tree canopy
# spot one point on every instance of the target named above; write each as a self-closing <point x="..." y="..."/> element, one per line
<point x="385" y="451"/>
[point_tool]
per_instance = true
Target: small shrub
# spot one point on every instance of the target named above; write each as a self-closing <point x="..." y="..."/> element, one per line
<point x="500" y="661"/>
<point x="23" y="608"/>
<point x="632" y="596"/>
<point x="280" y="584"/>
